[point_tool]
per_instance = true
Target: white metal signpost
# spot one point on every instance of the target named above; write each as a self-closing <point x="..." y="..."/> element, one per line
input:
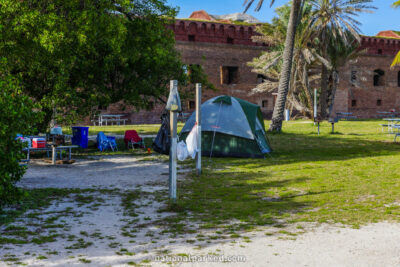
<point x="198" y="121"/>
<point x="174" y="106"/>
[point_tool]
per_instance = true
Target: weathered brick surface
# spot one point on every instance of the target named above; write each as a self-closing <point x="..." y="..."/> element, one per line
<point x="369" y="99"/>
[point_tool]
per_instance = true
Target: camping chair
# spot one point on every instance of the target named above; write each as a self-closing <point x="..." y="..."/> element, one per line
<point x="106" y="142"/>
<point x="132" y="138"/>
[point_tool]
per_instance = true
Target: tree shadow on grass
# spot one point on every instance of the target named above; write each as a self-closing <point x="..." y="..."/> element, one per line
<point x="223" y="198"/>
<point x="290" y="147"/>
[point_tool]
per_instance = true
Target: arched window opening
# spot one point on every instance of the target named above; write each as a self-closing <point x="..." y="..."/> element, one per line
<point x="398" y="79"/>
<point x="379" y="77"/>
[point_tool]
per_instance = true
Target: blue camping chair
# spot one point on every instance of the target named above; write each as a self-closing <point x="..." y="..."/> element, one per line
<point x="106" y="142"/>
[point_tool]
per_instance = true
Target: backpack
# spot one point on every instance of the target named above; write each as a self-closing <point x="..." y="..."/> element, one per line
<point x="162" y="142"/>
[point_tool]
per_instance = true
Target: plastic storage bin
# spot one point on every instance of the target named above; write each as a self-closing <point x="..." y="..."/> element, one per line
<point x="80" y="136"/>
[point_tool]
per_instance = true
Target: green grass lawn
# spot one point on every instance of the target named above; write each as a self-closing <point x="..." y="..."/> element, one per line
<point x="350" y="177"/>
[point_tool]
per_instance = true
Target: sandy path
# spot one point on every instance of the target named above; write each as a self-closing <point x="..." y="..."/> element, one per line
<point x="99" y="232"/>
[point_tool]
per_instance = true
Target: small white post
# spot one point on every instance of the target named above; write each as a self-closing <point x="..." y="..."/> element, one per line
<point x="287" y="114"/>
<point x="315" y="103"/>
<point x="172" y="155"/>
<point x="54" y="154"/>
<point x="198" y="121"/>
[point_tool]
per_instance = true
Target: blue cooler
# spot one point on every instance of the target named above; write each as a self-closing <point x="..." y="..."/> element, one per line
<point x="80" y="136"/>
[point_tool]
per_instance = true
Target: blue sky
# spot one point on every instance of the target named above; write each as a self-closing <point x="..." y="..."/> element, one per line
<point x="384" y="18"/>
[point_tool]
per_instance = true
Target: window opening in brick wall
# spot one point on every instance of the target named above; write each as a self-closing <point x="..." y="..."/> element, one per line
<point x="380" y="51"/>
<point x="353" y="103"/>
<point x="264" y="103"/>
<point x="353" y="77"/>
<point x="229" y="40"/>
<point x="229" y="75"/>
<point x="192" y="38"/>
<point x="379" y="77"/>
<point x="192" y="105"/>
<point x="398" y="79"/>
<point x="379" y="102"/>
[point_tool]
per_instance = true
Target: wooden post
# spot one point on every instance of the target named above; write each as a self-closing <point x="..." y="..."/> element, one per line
<point x="198" y="121"/>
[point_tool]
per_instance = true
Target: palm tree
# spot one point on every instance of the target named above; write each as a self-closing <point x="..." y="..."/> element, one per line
<point x="277" y="116"/>
<point x="396" y="60"/>
<point x="332" y="20"/>
<point x="269" y="64"/>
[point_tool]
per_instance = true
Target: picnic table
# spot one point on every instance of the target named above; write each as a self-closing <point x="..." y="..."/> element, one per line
<point x="28" y="150"/>
<point x="109" y="118"/>
<point x="345" y="115"/>
<point x="386" y="114"/>
<point x="393" y="123"/>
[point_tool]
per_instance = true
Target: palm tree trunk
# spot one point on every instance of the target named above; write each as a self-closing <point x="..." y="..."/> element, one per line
<point x="324" y="91"/>
<point x="335" y="78"/>
<point x="277" y="115"/>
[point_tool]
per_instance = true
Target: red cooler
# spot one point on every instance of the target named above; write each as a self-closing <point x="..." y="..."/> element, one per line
<point x="38" y="143"/>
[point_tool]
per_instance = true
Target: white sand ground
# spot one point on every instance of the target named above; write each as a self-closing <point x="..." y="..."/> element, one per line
<point x="103" y="224"/>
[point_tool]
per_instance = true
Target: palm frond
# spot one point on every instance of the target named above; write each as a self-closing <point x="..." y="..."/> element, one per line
<point x="396" y="60"/>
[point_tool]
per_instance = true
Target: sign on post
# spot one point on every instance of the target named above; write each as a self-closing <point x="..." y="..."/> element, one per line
<point x="174" y="106"/>
<point x="198" y="121"/>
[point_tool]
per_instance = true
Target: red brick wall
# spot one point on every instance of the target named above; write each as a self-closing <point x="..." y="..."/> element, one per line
<point x="365" y="93"/>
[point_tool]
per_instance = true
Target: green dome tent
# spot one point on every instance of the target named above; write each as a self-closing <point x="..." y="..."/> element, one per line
<point x="230" y="127"/>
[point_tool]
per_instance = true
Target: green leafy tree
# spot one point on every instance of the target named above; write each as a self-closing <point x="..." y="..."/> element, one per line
<point x="74" y="55"/>
<point x="16" y="116"/>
